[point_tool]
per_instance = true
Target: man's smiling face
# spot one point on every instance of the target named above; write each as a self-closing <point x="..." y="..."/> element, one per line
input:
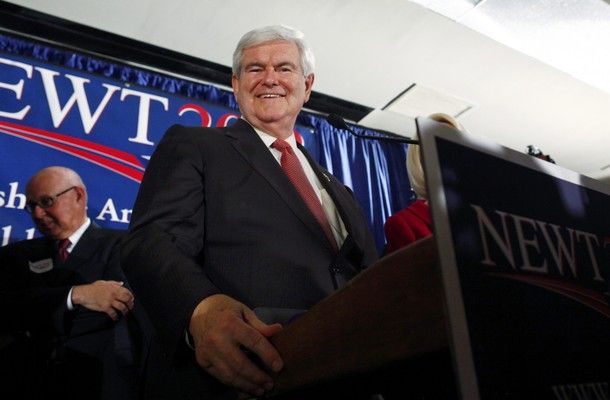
<point x="271" y="88"/>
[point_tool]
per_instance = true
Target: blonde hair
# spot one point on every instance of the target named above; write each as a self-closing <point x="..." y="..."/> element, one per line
<point x="415" y="170"/>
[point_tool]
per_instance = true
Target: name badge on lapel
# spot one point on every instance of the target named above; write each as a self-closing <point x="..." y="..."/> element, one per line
<point x="38" y="267"/>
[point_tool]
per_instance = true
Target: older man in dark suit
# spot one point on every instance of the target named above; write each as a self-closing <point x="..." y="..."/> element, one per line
<point x="237" y="223"/>
<point x="69" y="295"/>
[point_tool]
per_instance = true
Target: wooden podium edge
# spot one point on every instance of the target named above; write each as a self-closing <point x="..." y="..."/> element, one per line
<point x="392" y="311"/>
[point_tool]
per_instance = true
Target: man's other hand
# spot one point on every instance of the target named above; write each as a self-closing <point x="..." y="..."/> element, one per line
<point x="222" y="328"/>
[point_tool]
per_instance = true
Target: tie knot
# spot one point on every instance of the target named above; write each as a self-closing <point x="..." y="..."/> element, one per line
<point x="63" y="244"/>
<point x="62" y="249"/>
<point x="282" y="145"/>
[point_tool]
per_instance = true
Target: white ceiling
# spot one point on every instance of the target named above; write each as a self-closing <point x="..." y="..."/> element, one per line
<point x="369" y="52"/>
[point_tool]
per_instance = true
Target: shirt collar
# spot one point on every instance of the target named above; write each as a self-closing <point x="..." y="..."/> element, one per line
<point x="75" y="237"/>
<point x="268" y="139"/>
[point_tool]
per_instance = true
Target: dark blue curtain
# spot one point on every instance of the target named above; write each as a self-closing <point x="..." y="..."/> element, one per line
<point x="374" y="169"/>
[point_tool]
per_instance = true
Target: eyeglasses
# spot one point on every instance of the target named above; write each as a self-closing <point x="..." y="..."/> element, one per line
<point x="45" y="202"/>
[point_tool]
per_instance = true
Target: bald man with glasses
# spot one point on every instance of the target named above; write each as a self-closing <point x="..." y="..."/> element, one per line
<point x="75" y="304"/>
<point x="45" y="202"/>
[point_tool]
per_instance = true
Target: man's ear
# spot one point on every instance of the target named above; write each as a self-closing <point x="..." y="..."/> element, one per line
<point x="308" y="85"/>
<point x="235" y="83"/>
<point x="80" y="192"/>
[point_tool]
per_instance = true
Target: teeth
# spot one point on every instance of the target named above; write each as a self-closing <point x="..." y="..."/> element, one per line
<point x="268" y="96"/>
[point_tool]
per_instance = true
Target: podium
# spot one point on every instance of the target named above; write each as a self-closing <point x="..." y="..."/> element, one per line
<point x="524" y="259"/>
<point x="391" y="312"/>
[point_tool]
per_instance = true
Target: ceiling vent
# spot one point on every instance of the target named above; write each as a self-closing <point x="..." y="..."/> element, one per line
<point x="419" y="101"/>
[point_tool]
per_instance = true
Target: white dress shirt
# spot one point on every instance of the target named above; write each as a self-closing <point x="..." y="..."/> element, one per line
<point x="74" y="238"/>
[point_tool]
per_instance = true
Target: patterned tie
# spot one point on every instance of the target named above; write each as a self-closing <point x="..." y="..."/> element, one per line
<point x="62" y="249"/>
<point x="293" y="169"/>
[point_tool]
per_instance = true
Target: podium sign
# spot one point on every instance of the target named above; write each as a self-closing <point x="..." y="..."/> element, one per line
<point x="524" y="247"/>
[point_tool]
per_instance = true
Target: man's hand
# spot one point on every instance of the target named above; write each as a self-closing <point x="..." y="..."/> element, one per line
<point x="110" y="297"/>
<point x="222" y="329"/>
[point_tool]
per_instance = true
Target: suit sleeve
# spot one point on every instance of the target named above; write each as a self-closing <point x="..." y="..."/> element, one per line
<point x="162" y="249"/>
<point x="14" y="291"/>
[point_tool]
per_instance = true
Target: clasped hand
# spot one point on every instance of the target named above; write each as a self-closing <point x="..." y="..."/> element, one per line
<point x="109" y="297"/>
<point x="222" y="328"/>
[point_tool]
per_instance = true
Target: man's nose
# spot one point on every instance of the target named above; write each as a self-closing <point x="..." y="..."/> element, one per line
<point x="37" y="211"/>
<point x="270" y="77"/>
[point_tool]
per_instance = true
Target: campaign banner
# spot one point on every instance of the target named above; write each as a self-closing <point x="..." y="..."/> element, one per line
<point x="524" y="247"/>
<point x="104" y="118"/>
<point x="102" y="128"/>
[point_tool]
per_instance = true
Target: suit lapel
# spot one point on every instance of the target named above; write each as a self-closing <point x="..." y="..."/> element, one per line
<point x="334" y="188"/>
<point x="248" y="144"/>
<point x="83" y="250"/>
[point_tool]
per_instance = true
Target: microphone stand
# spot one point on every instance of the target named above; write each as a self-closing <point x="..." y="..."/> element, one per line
<point x="339" y="123"/>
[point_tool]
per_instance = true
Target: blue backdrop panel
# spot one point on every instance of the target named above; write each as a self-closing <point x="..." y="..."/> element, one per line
<point x="104" y="119"/>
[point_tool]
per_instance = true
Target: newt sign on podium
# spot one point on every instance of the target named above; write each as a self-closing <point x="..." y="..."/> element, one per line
<point x="524" y="247"/>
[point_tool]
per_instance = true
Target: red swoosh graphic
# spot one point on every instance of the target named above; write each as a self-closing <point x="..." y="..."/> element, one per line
<point x="588" y="297"/>
<point x="93" y="152"/>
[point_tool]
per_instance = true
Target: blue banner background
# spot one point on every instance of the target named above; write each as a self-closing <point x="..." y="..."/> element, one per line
<point x="112" y="155"/>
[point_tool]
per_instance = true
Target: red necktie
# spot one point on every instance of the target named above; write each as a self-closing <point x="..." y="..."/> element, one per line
<point x="293" y="169"/>
<point x="62" y="249"/>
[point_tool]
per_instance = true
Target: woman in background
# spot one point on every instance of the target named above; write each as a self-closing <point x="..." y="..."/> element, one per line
<point x="414" y="222"/>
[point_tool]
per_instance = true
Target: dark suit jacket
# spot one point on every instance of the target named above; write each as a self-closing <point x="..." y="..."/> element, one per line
<point x="216" y="214"/>
<point x="38" y="300"/>
<point x="408" y="225"/>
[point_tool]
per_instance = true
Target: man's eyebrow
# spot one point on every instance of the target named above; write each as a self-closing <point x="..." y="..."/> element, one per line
<point x="261" y="64"/>
<point x="286" y="63"/>
<point x="253" y="64"/>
